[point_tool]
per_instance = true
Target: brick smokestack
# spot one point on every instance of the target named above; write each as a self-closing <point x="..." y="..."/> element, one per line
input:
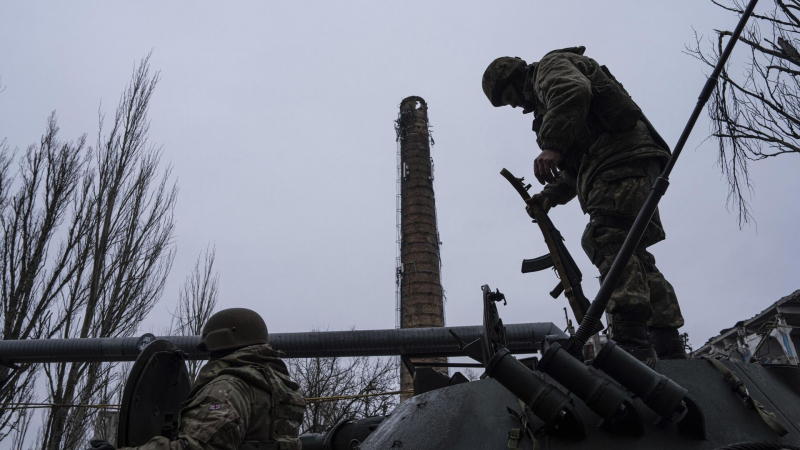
<point x="420" y="294"/>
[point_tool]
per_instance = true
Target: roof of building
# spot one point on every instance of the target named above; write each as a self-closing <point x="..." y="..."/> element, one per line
<point x="788" y="307"/>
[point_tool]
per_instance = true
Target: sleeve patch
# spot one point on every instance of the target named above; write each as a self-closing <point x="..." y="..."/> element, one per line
<point x="206" y="416"/>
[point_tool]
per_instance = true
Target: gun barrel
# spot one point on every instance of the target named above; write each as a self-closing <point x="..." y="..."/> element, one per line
<point x="418" y="342"/>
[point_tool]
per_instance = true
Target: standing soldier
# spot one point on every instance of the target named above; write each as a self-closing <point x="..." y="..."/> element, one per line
<point x="242" y="399"/>
<point x="596" y="144"/>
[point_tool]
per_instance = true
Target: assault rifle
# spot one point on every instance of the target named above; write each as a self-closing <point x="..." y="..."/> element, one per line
<point x="493" y="334"/>
<point x="558" y="257"/>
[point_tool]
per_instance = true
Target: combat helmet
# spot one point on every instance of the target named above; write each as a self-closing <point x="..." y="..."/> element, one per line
<point x="233" y="328"/>
<point x="497" y="76"/>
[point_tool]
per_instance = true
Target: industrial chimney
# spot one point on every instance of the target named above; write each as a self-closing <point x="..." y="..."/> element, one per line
<point x="420" y="297"/>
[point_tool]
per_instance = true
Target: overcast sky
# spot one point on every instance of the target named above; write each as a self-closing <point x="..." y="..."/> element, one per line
<point x="278" y="120"/>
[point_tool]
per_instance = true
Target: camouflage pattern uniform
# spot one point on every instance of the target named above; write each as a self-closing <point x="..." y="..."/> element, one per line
<point x="244" y="400"/>
<point x="610" y="172"/>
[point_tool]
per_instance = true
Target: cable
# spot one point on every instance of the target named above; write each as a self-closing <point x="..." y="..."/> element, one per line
<point x="114" y="406"/>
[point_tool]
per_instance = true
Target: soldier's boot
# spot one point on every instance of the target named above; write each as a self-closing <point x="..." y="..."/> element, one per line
<point x="631" y="336"/>
<point x="668" y="343"/>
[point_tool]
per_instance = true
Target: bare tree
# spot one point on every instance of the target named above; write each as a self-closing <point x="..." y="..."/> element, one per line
<point x="18" y="438"/>
<point x="35" y="276"/>
<point x="350" y="377"/>
<point x="197" y="300"/>
<point x="130" y="253"/>
<point x="471" y="375"/>
<point x="106" y="421"/>
<point x="755" y="113"/>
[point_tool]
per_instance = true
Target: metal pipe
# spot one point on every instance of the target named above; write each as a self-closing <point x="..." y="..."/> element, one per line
<point x="417" y="342"/>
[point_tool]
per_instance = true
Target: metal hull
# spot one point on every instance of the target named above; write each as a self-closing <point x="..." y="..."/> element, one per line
<point x="475" y="416"/>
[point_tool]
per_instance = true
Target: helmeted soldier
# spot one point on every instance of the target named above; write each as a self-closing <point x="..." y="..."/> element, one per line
<point x="242" y="399"/>
<point x="596" y="144"/>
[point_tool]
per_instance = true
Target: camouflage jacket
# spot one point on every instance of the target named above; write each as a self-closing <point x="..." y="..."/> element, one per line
<point x="573" y="99"/>
<point x="244" y="400"/>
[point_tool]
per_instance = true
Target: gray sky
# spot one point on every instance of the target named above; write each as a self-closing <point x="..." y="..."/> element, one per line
<point x="278" y="119"/>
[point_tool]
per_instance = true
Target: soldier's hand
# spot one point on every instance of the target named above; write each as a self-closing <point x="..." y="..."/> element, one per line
<point x="545" y="166"/>
<point x="539" y="199"/>
<point x="98" y="444"/>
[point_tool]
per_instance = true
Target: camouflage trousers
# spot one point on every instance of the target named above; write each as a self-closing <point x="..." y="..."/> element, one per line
<point x="613" y="200"/>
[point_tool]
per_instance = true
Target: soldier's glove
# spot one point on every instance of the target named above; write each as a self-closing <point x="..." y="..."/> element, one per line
<point x="98" y="444"/>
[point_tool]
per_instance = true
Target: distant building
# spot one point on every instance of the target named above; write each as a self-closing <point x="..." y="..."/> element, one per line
<point x="770" y="337"/>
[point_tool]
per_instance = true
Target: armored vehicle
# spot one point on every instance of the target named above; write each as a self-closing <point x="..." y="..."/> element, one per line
<point x="552" y="402"/>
